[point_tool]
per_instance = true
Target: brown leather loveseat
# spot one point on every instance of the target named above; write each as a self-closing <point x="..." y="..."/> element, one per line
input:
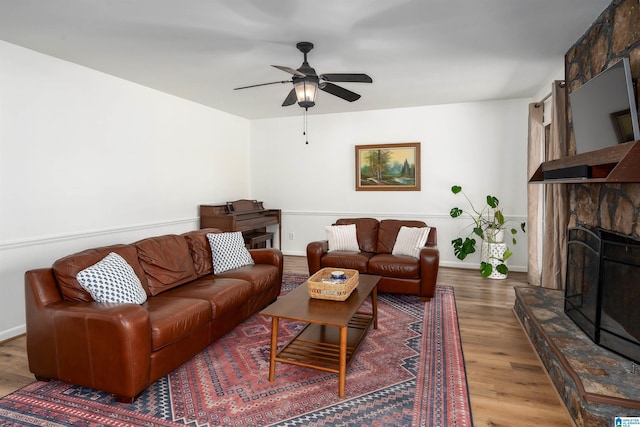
<point x="122" y="348"/>
<point x="401" y="274"/>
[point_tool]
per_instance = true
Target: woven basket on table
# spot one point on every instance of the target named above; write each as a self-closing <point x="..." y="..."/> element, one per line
<point x="330" y="291"/>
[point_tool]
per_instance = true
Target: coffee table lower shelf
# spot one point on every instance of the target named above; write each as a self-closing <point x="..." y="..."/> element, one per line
<point x="333" y="330"/>
<point x="318" y="346"/>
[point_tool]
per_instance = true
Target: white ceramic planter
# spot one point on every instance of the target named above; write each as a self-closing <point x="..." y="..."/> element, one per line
<point x="492" y="253"/>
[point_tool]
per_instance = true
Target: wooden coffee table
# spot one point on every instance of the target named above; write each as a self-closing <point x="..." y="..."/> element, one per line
<point x="333" y="332"/>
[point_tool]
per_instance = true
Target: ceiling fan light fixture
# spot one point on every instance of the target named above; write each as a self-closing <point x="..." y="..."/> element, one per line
<point x="306" y="82"/>
<point x="306" y="90"/>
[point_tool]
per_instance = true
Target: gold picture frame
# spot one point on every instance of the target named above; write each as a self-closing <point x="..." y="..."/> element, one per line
<point x="388" y="167"/>
<point x="622" y="125"/>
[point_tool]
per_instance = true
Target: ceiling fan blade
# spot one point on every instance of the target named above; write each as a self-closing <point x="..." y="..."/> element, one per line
<point x="263" y="84"/>
<point x="290" y="99"/>
<point x="342" y="77"/>
<point x="290" y="70"/>
<point x="340" y="92"/>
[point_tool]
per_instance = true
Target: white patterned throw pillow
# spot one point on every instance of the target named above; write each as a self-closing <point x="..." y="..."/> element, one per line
<point x="410" y="241"/>
<point x="228" y="251"/>
<point x="112" y="279"/>
<point x="342" y="238"/>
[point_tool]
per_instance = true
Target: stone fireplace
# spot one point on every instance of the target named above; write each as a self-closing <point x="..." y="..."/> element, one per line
<point x="608" y="209"/>
<point x="612" y="208"/>
<point x="595" y="383"/>
<point x="616" y="33"/>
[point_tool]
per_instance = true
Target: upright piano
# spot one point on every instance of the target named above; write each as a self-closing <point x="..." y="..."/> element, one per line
<point x="247" y="216"/>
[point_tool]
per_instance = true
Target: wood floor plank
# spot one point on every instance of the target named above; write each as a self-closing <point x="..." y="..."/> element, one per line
<point x="507" y="383"/>
<point x="14" y="369"/>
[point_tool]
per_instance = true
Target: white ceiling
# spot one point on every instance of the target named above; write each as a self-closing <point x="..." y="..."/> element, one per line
<point x="418" y="52"/>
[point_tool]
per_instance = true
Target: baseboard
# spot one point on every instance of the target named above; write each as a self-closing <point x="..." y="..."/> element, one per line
<point x="476" y="266"/>
<point x="13" y="332"/>
<point x="294" y="253"/>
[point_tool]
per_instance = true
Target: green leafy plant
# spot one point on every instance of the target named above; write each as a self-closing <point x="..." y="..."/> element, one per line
<point x="488" y="224"/>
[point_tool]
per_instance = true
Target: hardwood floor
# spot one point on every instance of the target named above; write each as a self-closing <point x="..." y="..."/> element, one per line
<point x="14" y="369"/>
<point x="507" y="384"/>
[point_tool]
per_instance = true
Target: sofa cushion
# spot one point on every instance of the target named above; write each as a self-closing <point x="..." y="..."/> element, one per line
<point x="224" y="294"/>
<point x="410" y="241"/>
<point x="353" y="260"/>
<point x="67" y="268"/>
<point x="261" y="276"/>
<point x="172" y="319"/>
<point x="399" y="266"/>
<point x="388" y="231"/>
<point x="200" y="250"/>
<point x="112" y="280"/>
<point x="228" y="251"/>
<point x="366" y="230"/>
<point x="342" y="238"/>
<point x="166" y="261"/>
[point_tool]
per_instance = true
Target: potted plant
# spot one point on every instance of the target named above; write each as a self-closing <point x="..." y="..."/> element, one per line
<point x="489" y="225"/>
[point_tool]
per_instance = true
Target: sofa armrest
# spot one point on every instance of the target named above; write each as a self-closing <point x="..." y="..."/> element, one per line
<point x="315" y="251"/>
<point x="97" y="345"/>
<point x="429" y="264"/>
<point x="271" y="256"/>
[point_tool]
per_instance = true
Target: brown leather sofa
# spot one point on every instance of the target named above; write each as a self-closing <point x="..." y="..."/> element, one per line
<point x="123" y="348"/>
<point x="400" y="274"/>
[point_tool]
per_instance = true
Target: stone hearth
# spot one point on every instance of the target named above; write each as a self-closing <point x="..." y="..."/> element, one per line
<point x="595" y="384"/>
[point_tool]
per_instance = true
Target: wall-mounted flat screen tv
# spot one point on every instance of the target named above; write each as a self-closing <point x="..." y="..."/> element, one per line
<point x="604" y="109"/>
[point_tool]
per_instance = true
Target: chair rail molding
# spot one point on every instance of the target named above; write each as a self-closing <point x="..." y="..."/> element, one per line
<point x="56" y="238"/>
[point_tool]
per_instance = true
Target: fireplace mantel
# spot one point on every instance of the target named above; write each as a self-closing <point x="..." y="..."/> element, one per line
<point x="616" y="164"/>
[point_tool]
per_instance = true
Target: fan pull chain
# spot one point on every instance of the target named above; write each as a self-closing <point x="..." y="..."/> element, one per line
<point x="304" y="131"/>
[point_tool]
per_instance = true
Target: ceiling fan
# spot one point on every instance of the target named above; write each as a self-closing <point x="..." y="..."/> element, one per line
<point x="306" y="82"/>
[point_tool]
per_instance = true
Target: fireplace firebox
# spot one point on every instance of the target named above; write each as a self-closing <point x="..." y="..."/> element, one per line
<point x="602" y="293"/>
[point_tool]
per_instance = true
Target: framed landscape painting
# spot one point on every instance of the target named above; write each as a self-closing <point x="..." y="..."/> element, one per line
<point x="388" y="167"/>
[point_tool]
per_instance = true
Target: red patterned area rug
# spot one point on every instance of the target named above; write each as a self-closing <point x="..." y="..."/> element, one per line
<point x="408" y="372"/>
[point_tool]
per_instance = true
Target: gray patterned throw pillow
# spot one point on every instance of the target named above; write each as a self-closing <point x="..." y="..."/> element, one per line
<point x="112" y="280"/>
<point x="228" y="251"/>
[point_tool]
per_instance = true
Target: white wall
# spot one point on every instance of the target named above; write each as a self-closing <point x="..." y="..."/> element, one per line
<point x="87" y="159"/>
<point x="481" y="146"/>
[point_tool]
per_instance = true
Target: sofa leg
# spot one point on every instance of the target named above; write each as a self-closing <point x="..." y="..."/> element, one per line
<point x="41" y="378"/>
<point x="425" y="299"/>
<point x="124" y="399"/>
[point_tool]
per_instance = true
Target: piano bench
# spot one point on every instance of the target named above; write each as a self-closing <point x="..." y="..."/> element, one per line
<point x="255" y="240"/>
